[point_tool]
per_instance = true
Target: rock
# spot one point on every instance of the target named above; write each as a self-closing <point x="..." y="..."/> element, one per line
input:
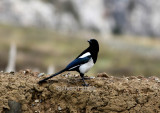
<point x="76" y="76"/>
<point x="27" y="71"/>
<point x="103" y="75"/>
<point x="36" y="101"/>
<point x="15" y="107"/>
<point x="59" y="108"/>
<point x="92" y="77"/>
<point x="40" y="74"/>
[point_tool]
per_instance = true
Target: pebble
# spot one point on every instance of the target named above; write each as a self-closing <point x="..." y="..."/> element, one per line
<point x="27" y="71"/>
<point x="59" y="108"/>
<point x="36" y="100"/>
<point x="92" y="77"/>
<point x="157" y="79"/>
<point x="40" y="74"/>
<point x="76" y="76"/>
<point x="33" y="104"/>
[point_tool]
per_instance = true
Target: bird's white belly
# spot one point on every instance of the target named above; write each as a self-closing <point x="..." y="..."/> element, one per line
<point x="85" y="67"/>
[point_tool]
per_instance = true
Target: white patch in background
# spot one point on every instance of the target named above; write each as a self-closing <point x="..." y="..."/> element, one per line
<point x="84" y="55"/>
<point x="12" y="58"/>
<point x="51" y="69"/>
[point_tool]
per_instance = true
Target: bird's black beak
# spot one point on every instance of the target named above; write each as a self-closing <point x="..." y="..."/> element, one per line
<point x="89" y="41"/>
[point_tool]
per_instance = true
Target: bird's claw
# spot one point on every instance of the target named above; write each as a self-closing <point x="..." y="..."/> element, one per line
<point x="86" y="85"/>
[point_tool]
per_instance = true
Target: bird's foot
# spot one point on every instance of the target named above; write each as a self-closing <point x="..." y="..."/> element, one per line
<point x="86" y="85"/>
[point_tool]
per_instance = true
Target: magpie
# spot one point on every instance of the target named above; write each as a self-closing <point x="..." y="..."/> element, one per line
<point x="82" y="63"/>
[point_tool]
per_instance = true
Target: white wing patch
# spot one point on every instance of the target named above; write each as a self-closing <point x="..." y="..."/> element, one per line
<point x="84" y="55"/>
<point x="74" y="67"/>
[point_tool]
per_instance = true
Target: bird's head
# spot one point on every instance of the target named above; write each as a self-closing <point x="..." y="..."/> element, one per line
<point x="94" y="44"/>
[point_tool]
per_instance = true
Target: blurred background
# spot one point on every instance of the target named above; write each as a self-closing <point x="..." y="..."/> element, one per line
<point x="45" y="35"/>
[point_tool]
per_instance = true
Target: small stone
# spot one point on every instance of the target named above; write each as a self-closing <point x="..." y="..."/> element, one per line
<point x="15" y="107"/>
<point x="92" y="77"/>
<point x="157" y="79"/>
<point x="40" y="101"/>
<point x="40" y="74"/>
<point x="76" y="76"/>
<point x="59" y="108"/>
<point x="36" y="100"/>
<point x="103" y="75"/>
<point x="132" y="77"/>
<point x="33" y="104"/>
<point x="27" y="71"/>
<point x="140" y="76"/>
<point x="66" y="75"/>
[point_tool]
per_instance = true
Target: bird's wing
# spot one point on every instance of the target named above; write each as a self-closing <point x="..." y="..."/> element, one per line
<point x="77" y="62"/>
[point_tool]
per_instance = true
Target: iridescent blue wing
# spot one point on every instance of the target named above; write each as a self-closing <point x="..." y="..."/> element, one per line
<point x="77" y="62"/>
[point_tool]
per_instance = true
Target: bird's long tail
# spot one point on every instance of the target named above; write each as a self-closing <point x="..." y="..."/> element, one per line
<point x="41" y="81"/>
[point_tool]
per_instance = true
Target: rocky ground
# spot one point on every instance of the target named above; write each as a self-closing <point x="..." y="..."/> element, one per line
<point x="19" y="92"/>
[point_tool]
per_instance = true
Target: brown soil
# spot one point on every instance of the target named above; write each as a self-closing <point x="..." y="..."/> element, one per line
<point x="106" y="94"/>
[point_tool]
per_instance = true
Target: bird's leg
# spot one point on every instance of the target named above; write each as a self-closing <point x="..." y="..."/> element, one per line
<point x="82" y="76"/>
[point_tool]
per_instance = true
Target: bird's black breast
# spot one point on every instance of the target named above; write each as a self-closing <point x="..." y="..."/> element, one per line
<point x="94" y="57"/>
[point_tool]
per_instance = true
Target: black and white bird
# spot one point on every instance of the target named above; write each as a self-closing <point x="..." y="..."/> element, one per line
<point x="83" y="62"/>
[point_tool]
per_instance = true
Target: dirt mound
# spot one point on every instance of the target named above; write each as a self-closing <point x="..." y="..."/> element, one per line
<point x="19" y="92"/>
